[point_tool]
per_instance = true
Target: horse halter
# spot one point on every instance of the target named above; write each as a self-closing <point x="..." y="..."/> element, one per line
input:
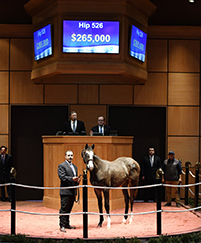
<point x="89" y="162"/>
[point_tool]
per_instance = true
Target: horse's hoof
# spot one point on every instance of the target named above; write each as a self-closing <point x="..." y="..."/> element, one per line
<point x="99" y="225"/>
<point x="108" y="227"/>
<point x="124" y="223"/>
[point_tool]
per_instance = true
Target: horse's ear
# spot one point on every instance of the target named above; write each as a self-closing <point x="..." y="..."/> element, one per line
<point x="92" y="146"/>
<point x="86" y="146"/>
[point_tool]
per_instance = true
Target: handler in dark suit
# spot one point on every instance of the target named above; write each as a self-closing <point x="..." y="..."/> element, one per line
<point x="5" y="167"/>
<point x="101" y="127"/>
<point x="67" y="173"/>
<point x="74" y="125"/>
<point x="149" y="166"/>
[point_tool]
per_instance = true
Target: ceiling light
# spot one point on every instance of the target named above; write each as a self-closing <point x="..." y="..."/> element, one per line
<point x="191" y="1"/>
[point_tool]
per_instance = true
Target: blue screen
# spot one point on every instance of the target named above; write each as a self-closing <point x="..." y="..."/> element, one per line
<point x="43" y="42"/>
<point x="90" y="36"/>
<point x="138" y="43"/>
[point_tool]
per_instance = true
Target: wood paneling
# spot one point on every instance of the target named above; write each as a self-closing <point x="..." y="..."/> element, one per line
<point x="4" y="141"/>
<point x="23" y="90"/>
<point x="107" y="147"/>
<point x="4" y="54"/>
<point x="4" y="83"/>
<point x="4" y="119"/>
<point x="60" y="94"/>
<point x="116" y="94"/>
<point x="183" y="121"/>
<point x="157" y="55"/>
<point x="89" y="114"/>
<point x="21" y="54"/>
<point x="183" y="89"/>
<point x="185" y="148"/>
<point x="184" y="56"/>
<point x="154" y="92"/>
<point x="88" y="94"/>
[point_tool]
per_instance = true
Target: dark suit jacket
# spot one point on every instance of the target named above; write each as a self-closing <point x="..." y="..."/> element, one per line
<point x="80" y="127"/>
<point x="150" y="172"/>
<point x="5" y="169"/>
<point x="106" y="129"/>
<point x="66" y="175"/>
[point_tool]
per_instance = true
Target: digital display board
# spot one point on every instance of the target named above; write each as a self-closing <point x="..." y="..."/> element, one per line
<point x="138" y="43"/>
<point x="43" y="42"/>
<point x="90" y="36"/>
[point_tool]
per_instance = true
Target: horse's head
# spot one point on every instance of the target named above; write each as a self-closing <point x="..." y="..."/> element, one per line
<point x="88" y="156"/>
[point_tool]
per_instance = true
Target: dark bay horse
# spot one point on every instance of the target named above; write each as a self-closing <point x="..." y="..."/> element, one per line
<point x="122" y="172"/>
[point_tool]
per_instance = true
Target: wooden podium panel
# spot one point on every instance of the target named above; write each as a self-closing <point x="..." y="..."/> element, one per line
<point x="106" y="147"/>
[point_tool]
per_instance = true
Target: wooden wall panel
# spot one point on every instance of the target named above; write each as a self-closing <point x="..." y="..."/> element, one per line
<point x="116" y="94"/>
<point x="4" y="119"/>
<point x="183" y="121"/>
<point x="185" y="148"/>
<point x="21" y="54"/>
<point x="4" y="141"/>
<point x="157" y="55"/>
<point x="89" y="114"/>
<point x="23" y="90"/>
<point x="184" y="55"/>
<point x="184" y="89"/>
<point x="88" y="94"/>
<point x="154" y="92"/>
<point x="4" y="54"/>
<point x="60" y="94"/>
<point x="4" y="83"/>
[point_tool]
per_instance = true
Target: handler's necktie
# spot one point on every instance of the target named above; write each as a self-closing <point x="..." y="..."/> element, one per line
<point x="73" y="169"/>
<point x="101" y="130"/>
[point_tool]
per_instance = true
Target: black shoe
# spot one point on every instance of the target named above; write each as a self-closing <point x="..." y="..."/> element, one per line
<point x="178" y="205"/>
<point x="70" y="227"/>
<point x="167" y="204"/>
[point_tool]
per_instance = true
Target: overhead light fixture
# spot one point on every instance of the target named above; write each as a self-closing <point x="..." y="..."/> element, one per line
<point x="191" y="1"/>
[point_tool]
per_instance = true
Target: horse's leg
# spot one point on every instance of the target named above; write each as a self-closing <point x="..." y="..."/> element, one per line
<point x="107" y="207"/>
<point x="98" y="193"/>
<point x="126" y="200"/>
<point x="133" y="194"/>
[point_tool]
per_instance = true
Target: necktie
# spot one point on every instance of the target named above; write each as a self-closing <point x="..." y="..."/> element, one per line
<point x="151" y="161"/>
<point x="3" y="159"/>
<point x="71" y="165"/>
<point x="73" y="126"/>
<point x="101" y="130"/>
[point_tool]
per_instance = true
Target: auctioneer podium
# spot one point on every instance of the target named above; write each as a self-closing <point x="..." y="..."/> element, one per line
<point x="106" y="147"/>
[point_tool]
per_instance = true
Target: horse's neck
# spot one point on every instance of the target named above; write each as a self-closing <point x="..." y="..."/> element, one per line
<point x="98" y="162"/>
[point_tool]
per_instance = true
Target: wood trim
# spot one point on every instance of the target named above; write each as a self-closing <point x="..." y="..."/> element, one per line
<point x="174" y="32"/>
<point x="16" y="30"/>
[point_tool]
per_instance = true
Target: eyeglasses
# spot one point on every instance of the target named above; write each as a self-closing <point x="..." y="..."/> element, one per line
<point x="100" y="120"/>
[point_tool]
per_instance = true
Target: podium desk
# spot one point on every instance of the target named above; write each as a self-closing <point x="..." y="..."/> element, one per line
<point x="106" y="147"/>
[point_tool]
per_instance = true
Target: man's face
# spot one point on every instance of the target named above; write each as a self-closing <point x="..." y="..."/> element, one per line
<point x="69" y="156"/>
<point x="151" y="151"/>
<point x="73" y="116"/>
<point x="3" y="151"/>
<point x="171" y="156"/>
<point x="101" y="121"/>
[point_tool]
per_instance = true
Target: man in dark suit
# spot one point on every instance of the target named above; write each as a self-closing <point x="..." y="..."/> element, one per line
<point x="150" y="164"/>
<point x="5" y="167"/>
<point x="67" y="173"/>
<point x="101" y="127"/>
<point x="74" y="125"/>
